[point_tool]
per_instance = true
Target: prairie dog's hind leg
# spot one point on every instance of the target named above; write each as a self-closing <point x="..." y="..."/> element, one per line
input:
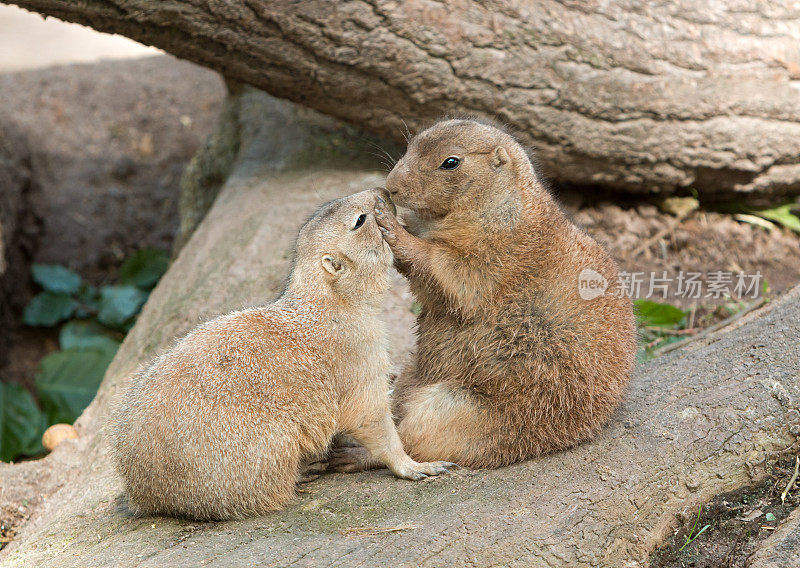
<point x="311" y="469"/>
<point x="348" y="456"/>
<point x="350" y="459"/>
<point x="448" y="423"/>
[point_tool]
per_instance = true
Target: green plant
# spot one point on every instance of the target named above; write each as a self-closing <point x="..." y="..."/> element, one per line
<point x="64" y="295"/>
<point x="691" y="537"/>
<point x="21" y="423"/>
<point x="782" y="215"/>
<point x="96" y="321"/>
<point x="659" y="325"/>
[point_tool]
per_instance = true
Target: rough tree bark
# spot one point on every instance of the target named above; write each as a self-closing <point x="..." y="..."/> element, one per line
<point x="630" y="95"/>
<point x="696" y="422"/>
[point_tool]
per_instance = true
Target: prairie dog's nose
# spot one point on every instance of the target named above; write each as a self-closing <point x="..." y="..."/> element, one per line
<point x="391" y="187"/>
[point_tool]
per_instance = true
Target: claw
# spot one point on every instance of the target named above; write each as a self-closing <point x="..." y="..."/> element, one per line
<point x="428" y="469"/>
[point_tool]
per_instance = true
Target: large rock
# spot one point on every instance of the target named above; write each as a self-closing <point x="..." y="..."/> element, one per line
<point x="111" y="140"/>
<point x="18" y="226"/>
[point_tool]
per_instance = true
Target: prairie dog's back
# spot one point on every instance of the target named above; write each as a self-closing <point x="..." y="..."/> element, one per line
<point x="208" y="408"/>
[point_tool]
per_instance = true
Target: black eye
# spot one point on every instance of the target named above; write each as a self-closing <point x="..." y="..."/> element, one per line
<point x="360" y="221"/>
<point x="450" y="163"/>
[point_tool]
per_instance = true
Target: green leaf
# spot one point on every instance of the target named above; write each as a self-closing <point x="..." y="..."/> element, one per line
<point x="21" y="423"/>
<point x="769" y="517"/>
<point x="416" y="308"/>
<point x="658" y="315"/>
<point x="118" y="304"/>
<point x="144" y="268"/>
<point x="782" y="215"/>
<point x="55" y="278"/>
<point x="48" y="308"/>
<point x="86" y="334"/>
<point x="88" y="300"/>
<point x="68" y="380"/>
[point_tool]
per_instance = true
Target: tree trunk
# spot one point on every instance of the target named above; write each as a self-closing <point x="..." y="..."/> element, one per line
<point x="635" y="96"/>
<point x="696" y="422"/>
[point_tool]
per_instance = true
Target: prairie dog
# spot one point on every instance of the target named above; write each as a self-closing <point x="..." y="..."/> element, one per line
<point x="510" y="362"/>
<point x="216" y="427"/>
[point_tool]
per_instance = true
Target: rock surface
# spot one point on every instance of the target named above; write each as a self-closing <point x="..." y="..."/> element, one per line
<point x="782" y="549"/>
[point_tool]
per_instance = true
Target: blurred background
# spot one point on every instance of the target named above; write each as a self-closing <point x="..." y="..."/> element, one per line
<point x="95" y="132"/>
<point x="30" y="41"/>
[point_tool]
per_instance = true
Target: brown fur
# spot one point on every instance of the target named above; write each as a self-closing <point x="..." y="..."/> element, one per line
<point x="510" y="361"/>
<point x="217" y="427"/>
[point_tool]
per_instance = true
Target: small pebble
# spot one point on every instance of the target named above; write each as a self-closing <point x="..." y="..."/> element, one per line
<point x="56" y="434"/>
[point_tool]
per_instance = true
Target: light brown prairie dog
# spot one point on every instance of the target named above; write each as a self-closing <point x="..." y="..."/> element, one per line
<point x="510" y="362"/>
<point x="217" y="427"/>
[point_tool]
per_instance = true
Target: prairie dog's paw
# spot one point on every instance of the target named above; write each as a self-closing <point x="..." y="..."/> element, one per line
<point x="417" y="471"/>
<point x="388" y="223"/>
<point x="351" y="459"/>
<point x="311" y="471"/>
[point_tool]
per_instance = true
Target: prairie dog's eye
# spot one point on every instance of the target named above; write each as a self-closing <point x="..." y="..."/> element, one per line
<point x="450" y="163"/>
<point x="360" y="221"/>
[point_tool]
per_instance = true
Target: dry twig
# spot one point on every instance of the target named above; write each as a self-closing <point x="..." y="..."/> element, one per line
<point x="372" y="531"/>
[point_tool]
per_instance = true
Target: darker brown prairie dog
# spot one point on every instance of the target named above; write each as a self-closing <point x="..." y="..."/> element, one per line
<point x="510" y="361"/>
<point x="216" y="427"/>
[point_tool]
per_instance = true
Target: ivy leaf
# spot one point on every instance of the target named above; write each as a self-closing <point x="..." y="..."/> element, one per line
<point x="118" y="304"/>
<point x="55" y="278"/>
<point x="48" y="308"/>
<point x="82" y="334"/>
<point x="68" y="380"/>
<point x="144" y="268"/>
<point x="655" y="314"/>
<point x="21" y="423"/>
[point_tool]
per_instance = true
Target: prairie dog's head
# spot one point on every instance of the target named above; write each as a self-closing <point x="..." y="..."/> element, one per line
<point x="341" y="247"/>
<point x="455" y="162"/>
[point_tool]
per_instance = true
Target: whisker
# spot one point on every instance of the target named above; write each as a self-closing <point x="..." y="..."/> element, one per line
<point x="407" y="133"/>
<point x="314" y="188"/>
<point x="388" y="166"/>
<point x="384" y="153"/>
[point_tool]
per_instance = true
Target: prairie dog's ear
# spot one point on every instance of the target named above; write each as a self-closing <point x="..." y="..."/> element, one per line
<point x="500" y="157"/>
<point x="332" y="265"/>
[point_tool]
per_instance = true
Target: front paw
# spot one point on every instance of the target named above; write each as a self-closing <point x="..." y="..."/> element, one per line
<point x="417" y="471"/>
<point x="387" y="222"/>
